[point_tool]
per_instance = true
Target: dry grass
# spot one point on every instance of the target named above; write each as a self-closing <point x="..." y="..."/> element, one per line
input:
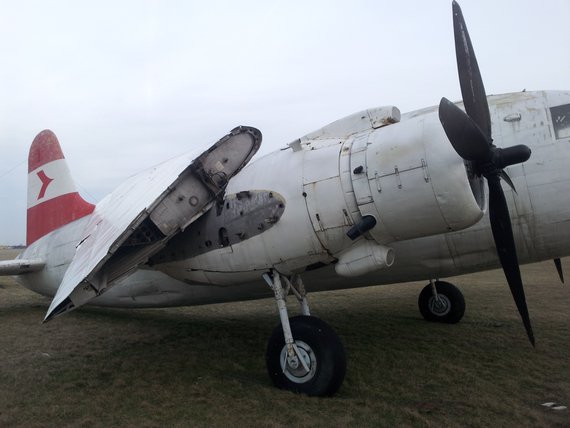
<point x="204" y="366"/>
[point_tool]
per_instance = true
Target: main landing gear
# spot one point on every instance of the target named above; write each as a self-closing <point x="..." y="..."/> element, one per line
<point x="304" y="354"/>
<point x="441" y="301"/>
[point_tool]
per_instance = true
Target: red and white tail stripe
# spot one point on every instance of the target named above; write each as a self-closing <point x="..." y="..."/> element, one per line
<point x="53" y="200"/>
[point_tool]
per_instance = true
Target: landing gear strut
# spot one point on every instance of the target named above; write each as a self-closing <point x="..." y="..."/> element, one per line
<point x="441" y="301"/>
<point x="304" y="354"/>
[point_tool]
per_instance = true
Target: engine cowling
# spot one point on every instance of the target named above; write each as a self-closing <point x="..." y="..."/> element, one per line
<point x="409" y="178"/>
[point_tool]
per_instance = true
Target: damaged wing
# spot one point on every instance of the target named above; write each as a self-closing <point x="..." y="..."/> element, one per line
<point x="145" y="212"/>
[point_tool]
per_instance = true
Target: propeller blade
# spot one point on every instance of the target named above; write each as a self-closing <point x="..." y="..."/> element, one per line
<point x="558" y="264"/>
<point x="470" y="135"/>
<point x="505" y="244"/>
<point x="472" y="89"/>
<point x="508" y="180"/>
<point x="465" y="136"/>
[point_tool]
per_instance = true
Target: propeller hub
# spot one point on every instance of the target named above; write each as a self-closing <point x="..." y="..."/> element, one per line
<point x="510" y="155"/>
<point x="501" y="158"/>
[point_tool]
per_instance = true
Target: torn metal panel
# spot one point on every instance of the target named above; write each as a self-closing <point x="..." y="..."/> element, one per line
<point x="141" y="215"/>
<point x="235" y="219"/>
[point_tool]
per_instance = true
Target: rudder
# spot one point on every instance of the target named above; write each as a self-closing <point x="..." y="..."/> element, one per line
<point x="53" y="200"/>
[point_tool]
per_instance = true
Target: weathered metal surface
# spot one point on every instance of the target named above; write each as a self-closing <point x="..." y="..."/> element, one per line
<point x="540" y="215"/>
<point x="357" y="122"/>
<point x="325" y="197"/>
<point x="53" y="200"/>
<point x="233" y="220"/>
<point x="414" y="175"/>
<point x="19" y="266"/>
<point x="171" y="195"/>
<point x="364" y="257"/>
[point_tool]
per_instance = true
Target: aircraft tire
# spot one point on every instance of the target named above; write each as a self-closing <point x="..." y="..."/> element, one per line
<point x="449" y="310"/>
<point x="322" y="351"/>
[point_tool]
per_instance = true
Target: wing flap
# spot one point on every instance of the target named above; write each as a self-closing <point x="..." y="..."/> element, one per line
<point x="144" y="213"/>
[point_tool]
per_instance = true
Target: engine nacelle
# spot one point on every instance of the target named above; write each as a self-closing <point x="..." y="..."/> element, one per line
<point x="342" y="193"/>
<point x="409" y="178"/>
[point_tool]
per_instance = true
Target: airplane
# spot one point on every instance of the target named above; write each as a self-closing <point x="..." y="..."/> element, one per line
<point x="374" y="198"/>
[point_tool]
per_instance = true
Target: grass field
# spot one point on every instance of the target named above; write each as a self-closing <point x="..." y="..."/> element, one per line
<point x="204" y="366"/>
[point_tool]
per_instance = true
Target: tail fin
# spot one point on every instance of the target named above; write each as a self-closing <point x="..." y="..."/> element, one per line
<point x="53" y="200"/>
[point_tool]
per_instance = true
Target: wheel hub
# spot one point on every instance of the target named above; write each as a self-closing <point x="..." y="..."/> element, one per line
<point x="293" y="369"/>
<point x="439" y="305"/>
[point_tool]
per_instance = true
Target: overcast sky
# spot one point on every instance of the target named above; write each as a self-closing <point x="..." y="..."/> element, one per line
<point x="127" y="84"/>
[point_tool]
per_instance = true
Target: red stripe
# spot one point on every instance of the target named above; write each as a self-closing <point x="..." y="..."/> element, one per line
<point x="55" y="213"/>
<point x="44" y="149"/>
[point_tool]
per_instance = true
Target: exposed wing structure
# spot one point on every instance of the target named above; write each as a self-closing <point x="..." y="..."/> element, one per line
<point x="19" y="266"/>
<point x="145" y="212"/>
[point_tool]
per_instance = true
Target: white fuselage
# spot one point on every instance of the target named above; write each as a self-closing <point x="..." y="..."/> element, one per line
<point x="411" y="181"/>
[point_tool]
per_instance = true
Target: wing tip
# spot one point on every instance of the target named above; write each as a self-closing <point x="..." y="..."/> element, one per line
<point x="65" y="306"/>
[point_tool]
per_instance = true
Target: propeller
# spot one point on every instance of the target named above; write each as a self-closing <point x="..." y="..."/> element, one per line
<point x="558" y="265"/>
<point x="469" y="132"/>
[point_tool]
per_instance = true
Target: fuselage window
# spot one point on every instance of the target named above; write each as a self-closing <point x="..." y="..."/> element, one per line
<point x="561" y="121"/>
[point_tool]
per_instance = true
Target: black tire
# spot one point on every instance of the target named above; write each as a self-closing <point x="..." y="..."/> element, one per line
<point x="323" y="352"/>
<point x="451" y="307"/>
